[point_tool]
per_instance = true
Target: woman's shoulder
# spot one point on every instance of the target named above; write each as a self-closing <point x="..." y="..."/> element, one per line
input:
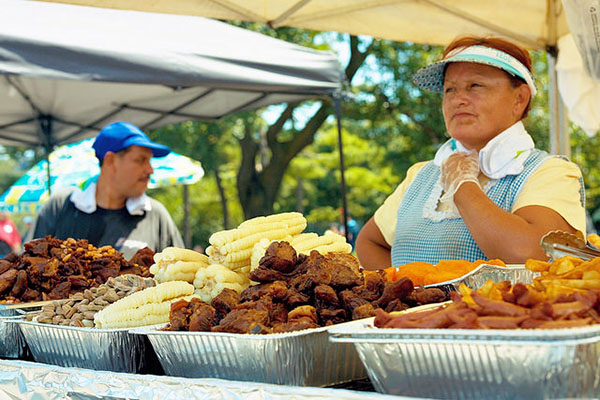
<point x="557" y="163"/>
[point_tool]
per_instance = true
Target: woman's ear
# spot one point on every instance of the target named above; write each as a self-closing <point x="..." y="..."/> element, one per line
<point x="523" y="95"/>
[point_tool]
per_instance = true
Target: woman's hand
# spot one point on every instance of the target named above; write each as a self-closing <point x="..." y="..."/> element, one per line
<point x="456" y="170"/>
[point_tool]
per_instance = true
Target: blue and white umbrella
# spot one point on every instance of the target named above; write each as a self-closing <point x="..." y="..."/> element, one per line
<point x="75" y="164"/>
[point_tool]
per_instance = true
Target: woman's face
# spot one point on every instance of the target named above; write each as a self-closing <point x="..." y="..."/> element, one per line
<point x="480" y="102"/>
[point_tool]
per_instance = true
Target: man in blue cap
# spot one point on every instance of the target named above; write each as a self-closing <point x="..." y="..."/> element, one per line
<point x="114" y="210"/>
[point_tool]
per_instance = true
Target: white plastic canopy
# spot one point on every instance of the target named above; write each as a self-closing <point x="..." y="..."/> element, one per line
<point x="66" y="71"/>
<point x="535" y="24"/>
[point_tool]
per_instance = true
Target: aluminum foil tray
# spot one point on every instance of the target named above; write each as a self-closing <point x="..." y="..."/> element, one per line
<point x="477" y="278"/>
<point x="12" y="341"/>
<point x="479" y="364"/>
<point x="303" y="358"/>
<point x="100" y="349"/>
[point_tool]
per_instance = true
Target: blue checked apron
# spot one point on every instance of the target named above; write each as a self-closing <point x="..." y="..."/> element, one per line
<point x="425" y="234"/>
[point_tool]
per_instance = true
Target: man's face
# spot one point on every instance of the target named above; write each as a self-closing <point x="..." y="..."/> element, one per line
<point x="479" y="103"/>
<point x="132" y="171"/>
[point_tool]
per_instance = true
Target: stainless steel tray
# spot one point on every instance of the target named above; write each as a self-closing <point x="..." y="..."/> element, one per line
<point x="100" y="349"/>
<point x="477" y="278"/>
<point x="12" y="341"/>
<point x="302" y="358"/>
<point x="479" y="364"/>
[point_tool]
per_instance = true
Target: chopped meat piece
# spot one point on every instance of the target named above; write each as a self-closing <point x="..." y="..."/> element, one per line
<point x="194" y="315"/>
<point x="264" y="274"/>
<point x="7" y="279"/>
<point x="12" y="258"/>
<point x="280" y="256"/>
<point x="325" y="297"/>
<point x="396" y="305"/>
<point x="20" y="284"/>
<point x="265" y="303"/>
<point x="143" y="257"/>
<point x="296" y="325"/>
<point x="365" y="293"/>
<point x="79" y="282"/>
<point x="312" y="272"/>
<point x="243" y="321"/>
<point x="5" y="266"/>
<point x="427" y="296"/>
<point x="330" y="317"/>
<point x="202" y="316"/>
<point x="224" y="302"/>
<point x="60" y="291"/>
<point x="294" y="298"/>
<point x="103" y="272"/>
<point x="303" y="312"/>
<point x="350" y="300"/>
<point x="365" y="311"/>
<point x="31" y="295"/>
<point x="278" y="313"/>
<point x="399" y="289"/>
<point x="179" y="316"/>
<point x="133" y="270"/>
<point x="344" y="269"/>
<point x="277" y="290"/>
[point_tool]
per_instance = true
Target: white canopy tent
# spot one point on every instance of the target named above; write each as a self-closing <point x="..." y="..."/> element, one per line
<point x="535" y="24"/>
<point x="66" y="71"/>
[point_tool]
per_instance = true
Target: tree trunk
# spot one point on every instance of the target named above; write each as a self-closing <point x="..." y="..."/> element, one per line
<point x="226" y="219"/>
<point x="258" y="190"/>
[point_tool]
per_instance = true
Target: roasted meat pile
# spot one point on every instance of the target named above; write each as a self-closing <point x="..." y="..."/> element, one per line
<point x="297" y="292"/>
<point x="51" y="268"/>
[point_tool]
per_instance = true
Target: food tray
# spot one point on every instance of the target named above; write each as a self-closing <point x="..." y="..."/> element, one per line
<point x="302" y="358"/>
<point x="12" y="342"/>
<point x="479" y="364"/>
<point x="100" y="349"/>
<point x="484" y="272"/>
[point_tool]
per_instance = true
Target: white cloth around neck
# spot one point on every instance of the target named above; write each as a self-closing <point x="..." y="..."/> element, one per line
<point x="504" y="155"/>
<point x="85" y="200"/>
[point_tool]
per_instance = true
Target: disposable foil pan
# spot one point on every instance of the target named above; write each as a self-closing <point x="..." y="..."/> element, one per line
<point x="479" y="364"/>
<point x="100" y="349"/>
<point x="484" y="272"/>
<point x="302" y="358"/>
<point x="12" y="342"/>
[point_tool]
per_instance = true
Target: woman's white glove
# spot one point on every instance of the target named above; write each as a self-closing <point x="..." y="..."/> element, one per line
<point x="457" y="169"/>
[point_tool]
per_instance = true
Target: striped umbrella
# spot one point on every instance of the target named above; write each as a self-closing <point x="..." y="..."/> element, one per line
<point x="76" y="164"/>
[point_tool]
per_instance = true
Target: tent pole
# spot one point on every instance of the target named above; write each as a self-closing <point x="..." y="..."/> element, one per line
<point x="46" y="126"/>
<point x="337" y="106"/>
<point x="187" y="234"/>
<point x="559" y="124"/>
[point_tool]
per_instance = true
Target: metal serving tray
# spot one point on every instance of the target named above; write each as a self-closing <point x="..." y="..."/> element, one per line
<point x="302" y="358"/>
<point x="484" y="272"/>
<point x="12" y="342"/>
<point x="479" y="364"/>
<point x="100" y="349"/>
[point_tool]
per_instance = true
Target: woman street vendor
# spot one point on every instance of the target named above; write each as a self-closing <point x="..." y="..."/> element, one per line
<point x="488" y="193"/>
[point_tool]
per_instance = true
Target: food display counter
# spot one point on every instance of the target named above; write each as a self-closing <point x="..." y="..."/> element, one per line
<point x="29" y="380"/>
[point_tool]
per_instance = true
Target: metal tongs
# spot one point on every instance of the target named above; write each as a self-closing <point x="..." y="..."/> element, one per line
<point x="558" y="244"/>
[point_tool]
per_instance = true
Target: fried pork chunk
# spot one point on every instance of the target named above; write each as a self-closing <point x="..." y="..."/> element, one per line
<point x="50" y="268"/>
<point x="280" y="256"/>
<point x="193" y="315"/>
<point x="224" y="302"/>
<point x="298" y="292"/>
<point x="244" y="321"/>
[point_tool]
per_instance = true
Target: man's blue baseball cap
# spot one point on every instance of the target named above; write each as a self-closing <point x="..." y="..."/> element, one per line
<point x="120" y="135"/>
